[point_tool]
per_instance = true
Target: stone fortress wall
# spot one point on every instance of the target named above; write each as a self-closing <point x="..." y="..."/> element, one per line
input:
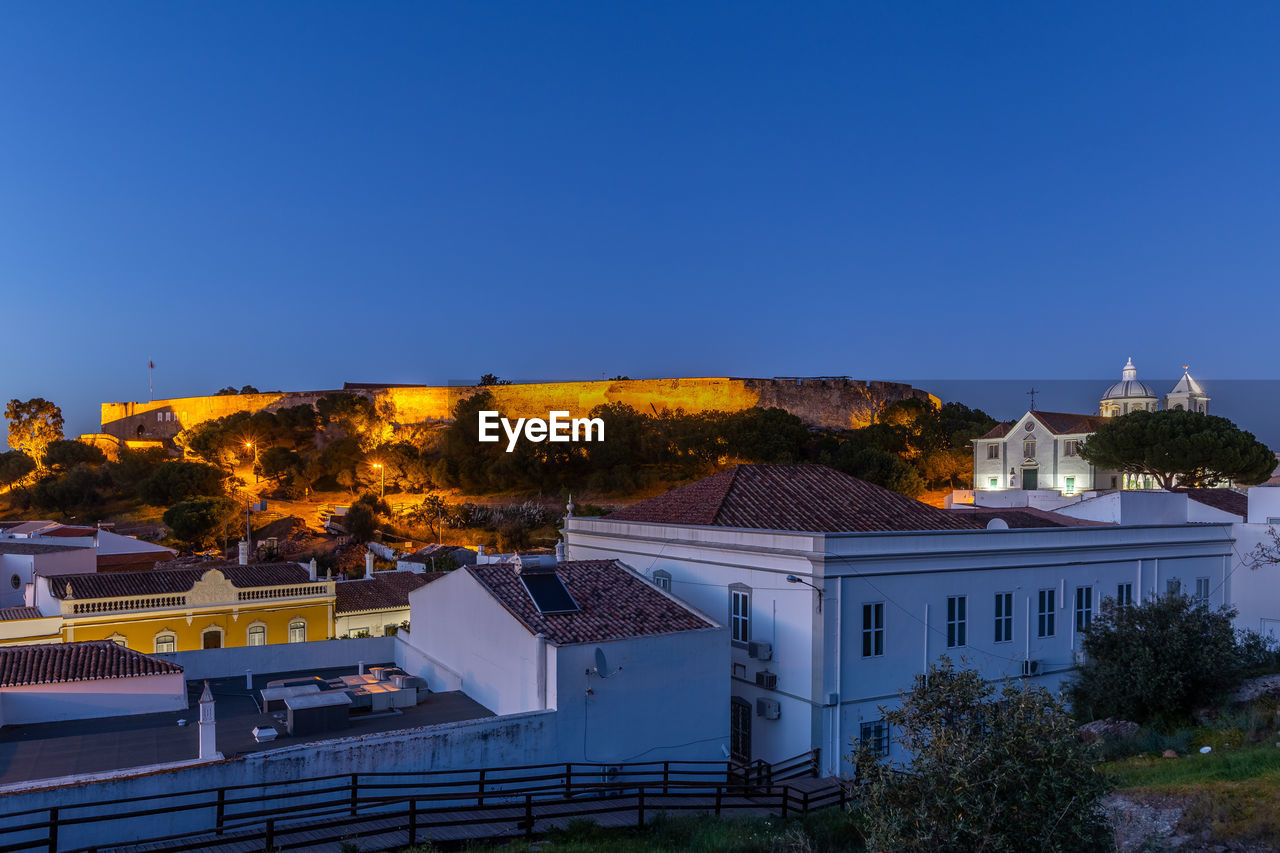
<point x="830" y="402"/>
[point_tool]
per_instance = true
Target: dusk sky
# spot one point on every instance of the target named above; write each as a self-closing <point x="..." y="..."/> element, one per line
<point x="296" y="195"/>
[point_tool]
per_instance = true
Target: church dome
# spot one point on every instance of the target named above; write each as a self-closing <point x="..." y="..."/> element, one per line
<point x="1129" y="387"/>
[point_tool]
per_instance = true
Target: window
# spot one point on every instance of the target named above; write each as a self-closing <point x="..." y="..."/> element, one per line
<point x="994" y="482"/>
<point x="1071" y="484"/>
<point x="740" y="730"/>
<point x="211" y="638"/>
<point x="1202" y="592"/>
<point x="957" y="605"/>
<point x="875" y="735"/>
<point x="1029" y="448"/>
<point x="15" y="582"/>
<point x="1004" y="617"/>
<point x="361" y="632"/>
<point x="1084" y="607"/>
<point x="258" y="635"/>
<point x="1071" y="447"/>
<point x="1046" y="613"/>
<point x="298" y="632"/>
<point x="1173" y="586"/>
<point x="993" y="451"/>
<point x="740" y="613"/>
<point x="121" y="642"/>
<point x="1124" y="595"/>
<point x="873" y="629"/>
<point x="662" y="579"/>
<point x="166" y="644"/>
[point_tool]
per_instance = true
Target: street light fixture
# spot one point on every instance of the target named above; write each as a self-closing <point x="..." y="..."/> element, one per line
<point x="249" y="445"/>
<point x="794" y="579"/>
<point x="382" y="475"/>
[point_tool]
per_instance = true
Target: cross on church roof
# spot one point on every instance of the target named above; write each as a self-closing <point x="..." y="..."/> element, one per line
<point x="1032" y="393"/>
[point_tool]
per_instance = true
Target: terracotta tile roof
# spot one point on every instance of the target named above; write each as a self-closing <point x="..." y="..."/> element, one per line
<point x="1058" y="423"/>
<point x="8" y="613"/>
<point x="425" y="554"/>
<point x="387" y="591"/>
<point x="68" y="531"/>
<point x="997" y="431"/>
<point x="613" y="602"/>
<point x="791" y="497"/>
<point x="1227" y="500"/>
<point x="163" y="581"/>
<point x="56" y="663"/>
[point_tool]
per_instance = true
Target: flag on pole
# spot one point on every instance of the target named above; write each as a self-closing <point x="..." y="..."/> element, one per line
<point x="151" y="365"/>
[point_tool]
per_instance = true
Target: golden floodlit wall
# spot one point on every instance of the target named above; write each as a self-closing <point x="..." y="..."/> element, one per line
<point x="832" y="402"/>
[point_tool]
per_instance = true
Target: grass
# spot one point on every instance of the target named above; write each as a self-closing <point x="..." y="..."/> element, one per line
<point x="1233" y="791"/>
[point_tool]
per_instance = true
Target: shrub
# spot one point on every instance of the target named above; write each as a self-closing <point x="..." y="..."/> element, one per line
<point x="1156" y="662"/>
<point x="986" y="773"/>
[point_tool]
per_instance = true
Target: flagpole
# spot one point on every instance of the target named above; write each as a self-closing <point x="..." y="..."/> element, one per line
<point x="151" y="392"/>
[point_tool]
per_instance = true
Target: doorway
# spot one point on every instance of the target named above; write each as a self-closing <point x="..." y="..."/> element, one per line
<point x="1029" y="478"/>
<point x="740" y="730"/>
<point x="211" y="639"/>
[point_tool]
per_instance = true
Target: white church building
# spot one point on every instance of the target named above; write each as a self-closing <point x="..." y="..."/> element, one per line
<point x="1041" y="450"/>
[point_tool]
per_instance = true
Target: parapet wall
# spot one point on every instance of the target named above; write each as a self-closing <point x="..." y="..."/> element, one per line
<point x="831" y="402"/>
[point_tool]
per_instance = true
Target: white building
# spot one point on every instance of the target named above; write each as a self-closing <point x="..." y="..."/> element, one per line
<point x="1041" y="449"/>
<point x="377" y="604"/>
<point x="632" y="673"/>
<point x="883" y="585"/>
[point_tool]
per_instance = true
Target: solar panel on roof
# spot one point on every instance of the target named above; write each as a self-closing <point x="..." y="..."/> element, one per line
<point x="548" y="593"/>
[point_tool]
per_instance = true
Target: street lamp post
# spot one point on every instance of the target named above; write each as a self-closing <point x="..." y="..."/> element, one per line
<point x="382" y="479"/>
<point x="249" y="445"/>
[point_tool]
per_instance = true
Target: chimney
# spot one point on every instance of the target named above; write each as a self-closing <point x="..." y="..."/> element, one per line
<point x="559" y="552"/>
<point x="481" y="560"/>
<point x="208" y="728"/>
<point x="312" y="568"/>
<point x="244" y="553"/>
<point x="368" y="565"/>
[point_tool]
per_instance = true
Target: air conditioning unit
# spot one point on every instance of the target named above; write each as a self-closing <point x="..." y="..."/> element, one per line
<point x="766" y="679"/>
<point x="1030" y="668"/>
<point x="768" y="708"/>
<point x="760" y="651"/>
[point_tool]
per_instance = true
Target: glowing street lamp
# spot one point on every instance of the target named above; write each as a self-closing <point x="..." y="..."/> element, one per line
<point x="382" y="479"/>
<point x="249" y="445"/>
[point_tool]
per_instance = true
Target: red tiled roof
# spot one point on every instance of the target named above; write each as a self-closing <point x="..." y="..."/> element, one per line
<point x="1058" y="423"/>
<point x="8" y="613"/>
<point x="613" y="602"/>
<point x="386" y="591"/>
<point x="1227" y="500"/>
<point x="790" y="497"/>
<point x="60" y="662"/>
<point x="20" y="546"/>
<point x="163" y="581"/>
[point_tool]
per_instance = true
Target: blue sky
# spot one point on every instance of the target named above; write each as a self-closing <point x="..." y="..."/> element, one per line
<point x="293" y="195"/>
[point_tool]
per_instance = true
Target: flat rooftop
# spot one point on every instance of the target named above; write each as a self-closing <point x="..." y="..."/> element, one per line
<point x="50" y="750"/>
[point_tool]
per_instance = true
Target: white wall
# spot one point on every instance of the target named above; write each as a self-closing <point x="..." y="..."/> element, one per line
<point x="662" y="698"/>
<point x="374" y="622"/>
<point x="282" y="657"/>
<point x="458" y="623"/>
<point x="84" y="700"/>
<point x="72" y="561"/>
<point x="1264" y="504"/>
<point x="470" y="744"/>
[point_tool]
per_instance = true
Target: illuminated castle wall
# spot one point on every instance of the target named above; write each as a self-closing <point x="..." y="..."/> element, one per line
<point x="833" y="402"/>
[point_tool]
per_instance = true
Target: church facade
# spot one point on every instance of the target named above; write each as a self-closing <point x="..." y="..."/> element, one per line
<point x="1041" y="450"/>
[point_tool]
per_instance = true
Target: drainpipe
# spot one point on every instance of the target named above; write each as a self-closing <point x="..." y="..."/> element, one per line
<point x="835" y="763"/>
<point x="541" y="668"/>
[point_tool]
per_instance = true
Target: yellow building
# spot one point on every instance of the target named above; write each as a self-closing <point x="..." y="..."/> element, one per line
<point x="207" y="607"/>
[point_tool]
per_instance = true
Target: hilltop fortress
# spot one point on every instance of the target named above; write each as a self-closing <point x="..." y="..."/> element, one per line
<point x="834" y="402"/>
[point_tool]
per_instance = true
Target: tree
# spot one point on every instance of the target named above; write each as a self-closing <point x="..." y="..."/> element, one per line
<point x="1156" y="661"/>
<point x="994" y="772"/>
<point x="361" y="519"/>
<point x="178" y="481"/>
<point x="62" y="455"/>
<point x="14" y="467"/>
<point x="492" y="379"/>
<point x="33" y="425"/>
<point x="1177" y="447"/>
<point x="276" y="463"/>
<point x="200" y="521"/>
<point x="77" y="489"/>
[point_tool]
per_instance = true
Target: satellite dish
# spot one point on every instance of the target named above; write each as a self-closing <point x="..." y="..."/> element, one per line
<point x="601" y="664"/>
<point x="997" y="524"/>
